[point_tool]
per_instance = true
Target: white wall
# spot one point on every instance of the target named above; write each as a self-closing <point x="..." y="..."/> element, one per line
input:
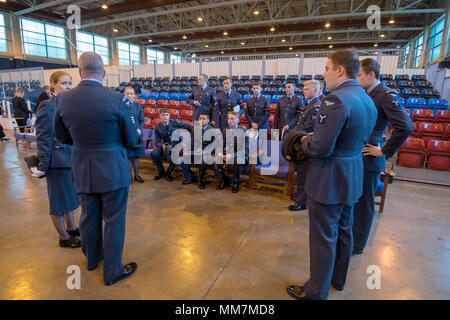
<point x="187" y="69"/>
<point x="216" y="68"/>
<point x="246" y="68"/>
<point x="164" y="70"/>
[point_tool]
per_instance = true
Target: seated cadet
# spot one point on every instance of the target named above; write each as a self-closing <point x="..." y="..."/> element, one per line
<point x="306" y="123"/>
<point x="235" y="154"/>
<point x="288" y="110"/>
<point x="204" y="121"/>
<point x="258" y="109"/>
<point x="163" y="142"/>
<point x="228" y="100"/>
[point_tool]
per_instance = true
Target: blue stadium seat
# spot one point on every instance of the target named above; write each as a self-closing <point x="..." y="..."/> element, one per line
<point x="174" y="96"/>
<point x="418" y="77"/>
<point x="163" y="96"/>
<point x="386" y="77"/>
<point x="390" y="83"/>
<point x="275" y="98"/>
<point x="305" y="77"/>
<point x="430" y="93"/>
<point x="184" y="96"/>
<point x="400" y="77"/>
<point x="438" y="104"/>
<point x="318" y="77"/>
<point x="154" y="95"/>
<point x="416" y="103"/>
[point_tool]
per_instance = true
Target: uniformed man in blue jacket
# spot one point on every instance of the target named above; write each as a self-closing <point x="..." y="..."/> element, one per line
<point x="99" y="124"/>
<point x="335" y="174"/>
<point x="288" y="110"/>
<point x="375" y="154"/>
<point x="226" y="101"/>
<point x="258" y="109"/>
<point x="202" y="98"/>
<point x="306" y="123"/>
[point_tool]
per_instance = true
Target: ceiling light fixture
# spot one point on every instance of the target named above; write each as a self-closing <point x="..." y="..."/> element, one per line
<point x="243" y="43"/>
<point x="206" y="46"/>
<point x="222" y="52"/>
<point x="290" y="48"/>
<point x="283" y="40"/>
<point x="330" y="37"/>
<point x="115" y="30"/>
<point x="150" y="40"/>
<point x="327" y="25"/>
<point x="225" y="33"/>
<point x="382" y="35"/>
<point x="330" y="46"/>
<point x="392" y="21"/>
<point x="199" y="19"/>
<point x="256" y="12"/>
<point x="375" y="45"/>
<point x="272" y="29"/>
<point x="104" y="6"/>
<point x="175" y="48"/>
<point x="184" y="37"/>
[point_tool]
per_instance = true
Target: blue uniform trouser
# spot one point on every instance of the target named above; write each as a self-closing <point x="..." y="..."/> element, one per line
<point x="112" y="207"/>
<point x="330" y="246"/>
<point x="301" y="197"/>
<point x="365" y="210"/>
<point x="157" y="156"/>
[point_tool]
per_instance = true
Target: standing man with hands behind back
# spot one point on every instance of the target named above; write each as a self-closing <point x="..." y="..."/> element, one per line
<point x="202" y="98"/>
<point x="100" y="125"/>
<point x="335" y="174"/>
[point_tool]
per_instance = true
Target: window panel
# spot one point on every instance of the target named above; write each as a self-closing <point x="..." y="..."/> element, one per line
<point x="91" y="42"/>
<point x="128" y="53"/>
<point x="436" y="35"/>
<point x="42" y="39"/>
<point x="3" y="42"/>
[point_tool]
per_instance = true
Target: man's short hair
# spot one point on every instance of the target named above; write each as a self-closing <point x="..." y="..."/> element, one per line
<point x="163" y="110"/>
<point x="228" y="78"/>
<point x="312" y="83"/>
<point x="370" y="64"/>
<point x="205" y="77"/>
<point x="234" y="113"/>
<point x="205" y="114"/>
<point x="256" y="84"/>
<point x="129" y="88"/>
<point x="291" y="82"/>
<point x="348" y="59"/>
<point x="91" y="63"/>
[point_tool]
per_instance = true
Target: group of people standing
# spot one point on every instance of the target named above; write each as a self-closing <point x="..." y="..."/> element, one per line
<point x="344" y="143"/>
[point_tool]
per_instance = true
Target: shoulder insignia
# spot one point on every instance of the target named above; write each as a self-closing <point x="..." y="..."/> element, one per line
<point x="329" y="103"/>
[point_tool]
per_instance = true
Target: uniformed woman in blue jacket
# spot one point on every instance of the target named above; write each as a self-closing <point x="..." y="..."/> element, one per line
<point x="138" y="150"/>
<point x="55" y="163"/>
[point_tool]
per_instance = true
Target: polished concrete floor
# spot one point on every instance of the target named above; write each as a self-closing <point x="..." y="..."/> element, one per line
<point x="206" y="244"/>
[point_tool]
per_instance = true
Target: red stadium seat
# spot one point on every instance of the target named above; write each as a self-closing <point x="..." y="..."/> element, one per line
<point x="412" y="153"/>
<point x="174" y="113"/>
<point x="155" y="121"/>
<point x="271" y="120"/>
<point x="273" y="107"/>
<point x="430" y="131"/>
<point x="148" y="123"/>
<point x="415" y="128"/>
<point x="438" y="153"/>
<point x="447" y="132"/>
<point x="422" y="115"/>
<point x="174" y="103"/>
<point x="150" y="112"/>
<point x="140" y="101"/>
<point x="186" y="121"/>
<point x="162" y="102"/>
<point x="442" y="116"/>
<point x="186" y="114"/>
<point x="243" y="119"/>
<point x="184" y="105"/>
<point x="151" y="102"/>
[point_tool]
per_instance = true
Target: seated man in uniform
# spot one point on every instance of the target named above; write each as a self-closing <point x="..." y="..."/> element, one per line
<point x="235" y="154"/>
<point x="204" y="121"/>
<point x="258" y="109"/>
<point x="306" y="123"/>
<point x="289" y="108"/>
<point x="163" y="142"/>
<point x="227" y="100"/>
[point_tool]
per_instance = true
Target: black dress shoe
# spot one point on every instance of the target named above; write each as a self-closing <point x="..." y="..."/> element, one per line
<point x="235" y="188"/>
<point x="74" y="233"/>
<point x="72" y="242"/>
<point x="295" y="207"/>
<point x="337" y="287"/>
<point x="128" y="270"/>
<point x="169" y="178"/>
<point x="138" y="179"/>
<point x="201" y="184"/>
<point x="5" y="139"/>
<point x="356" y="252"/>
<point x="189" y="181"/>
<point x="297" y="292"/>
<point x="159" y="176"/>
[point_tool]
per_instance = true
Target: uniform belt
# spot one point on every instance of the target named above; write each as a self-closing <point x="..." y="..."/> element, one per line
<point x="98" y="146"/>
<point x="350" y="152"/>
